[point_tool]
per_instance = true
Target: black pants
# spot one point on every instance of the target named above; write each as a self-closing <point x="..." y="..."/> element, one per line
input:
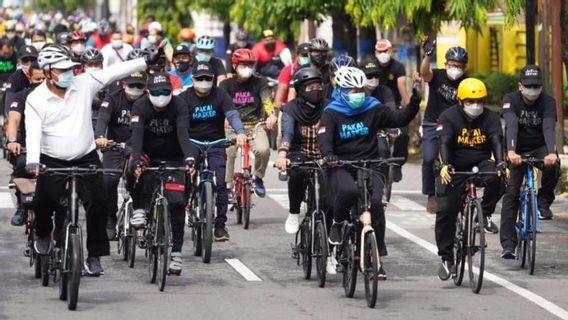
<point x="19" y="171"/>
<point x="298" y="181"/>
<point x="344" y="194"/>
<point x="51" y="189"/>
<point x="449" y="201"/>
<point x="400" y="146"/>
<point x="510" y="207"/>
<point x="175" y="193"/>
<point x="112" y="159"/>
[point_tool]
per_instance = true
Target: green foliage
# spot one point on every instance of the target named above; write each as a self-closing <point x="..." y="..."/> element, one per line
<point x="498" y="85"/>
<point x="514" y="7"/>
<point x="172" y="14"/>
<point x="219" y="8"/>
<point x="65" y="6"/>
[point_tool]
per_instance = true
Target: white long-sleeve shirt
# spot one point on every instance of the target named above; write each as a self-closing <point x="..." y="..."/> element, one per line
<point x="62" y="128"/>
<point x="113" y="56"/>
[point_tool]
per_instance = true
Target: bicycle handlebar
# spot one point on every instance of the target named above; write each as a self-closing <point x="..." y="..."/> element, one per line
<point x="79" y="171"/>
<point x="165" y="169"/>
<point x="374" y="161"/>
<point x="474" y="172"/>
<point x="212" y="144"/>
<point x="114" y="146"/>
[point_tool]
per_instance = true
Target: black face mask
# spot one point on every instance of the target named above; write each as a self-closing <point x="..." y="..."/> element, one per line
<point x="182" y="66"/>
<point x="313" y="98"/>
<point x="34" y="85"/>
<point x="270" y="46"/>
<point x="319" y="60"/>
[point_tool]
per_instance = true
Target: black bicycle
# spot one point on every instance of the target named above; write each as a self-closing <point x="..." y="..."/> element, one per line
<point x="386" y="139"/>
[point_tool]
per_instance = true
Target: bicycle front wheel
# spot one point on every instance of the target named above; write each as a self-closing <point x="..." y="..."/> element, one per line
<point x="475" y="245"/>
<point x="164" y="248"/>
<point x="306" y="247"/>
<point x="75" y="270"/>
<point x="371" y="271"/>
<point x="531" y="241"/>
<point x="459" y="250"/>
<point x="131" y="237"/>
<point x="349" y="264"/>
<point x="151" y="250"/>
<point x="206" y="216"/>
<point x="320" y="252"/>
<point x="44" y="262"/>
<point x="246" y="204"/>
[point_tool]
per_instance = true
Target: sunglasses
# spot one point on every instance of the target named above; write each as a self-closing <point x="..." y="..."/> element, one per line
<point x="203" y="78"/>
<point x="373" y="76"/>
<point x="137" y="85"/>
<point x="160" y="92"/>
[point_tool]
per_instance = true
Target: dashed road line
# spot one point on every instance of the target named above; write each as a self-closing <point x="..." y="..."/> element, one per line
<point x="6" y="201"/>
<point x="243" y="270"/>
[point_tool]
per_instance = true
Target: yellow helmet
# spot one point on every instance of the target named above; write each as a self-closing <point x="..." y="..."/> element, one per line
<point x="471" y="88"/>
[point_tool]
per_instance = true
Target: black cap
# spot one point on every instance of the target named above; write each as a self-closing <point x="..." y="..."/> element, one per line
<point x="181" y="49"/>
<point x="304" y="47"/>
<point x="531" y="76"/>
<point x="136" y="78"/>
<point x="371" y="68"/>
<point x="159" y="80"/>
<point x="202" y="69"/>
<point x="27" y="52"/>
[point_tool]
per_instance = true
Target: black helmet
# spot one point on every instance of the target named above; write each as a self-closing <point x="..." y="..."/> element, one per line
<point x="456" y="54"/>
<point x="319" y="44"/>
<point x="61" y="38"/>
<point x="135" y="54"/>
<point x="304" y="76"/>
<point x="91" y="55"/>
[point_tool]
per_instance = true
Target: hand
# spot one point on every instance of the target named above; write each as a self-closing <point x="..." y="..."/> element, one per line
<point x="331" y="160"/>
<point x="136" y="167"/>
<point x="428" y="46"/>
<point x="550" y="159"/>
<point x="102" y="142"/>
<point x="502" y="169"/>
<point x="445" y="173"/>
<point x="151" y="55"/>
<point x="190" y="164"/>
<point x="227" y="125"/>
<point x="14" y="148"/>
<point x="271" y="121"/>
<point x="282" y="163"/>
<point x="514" y="157"/>
<point x="241" y="140"/>
<point x="33" y="168"/>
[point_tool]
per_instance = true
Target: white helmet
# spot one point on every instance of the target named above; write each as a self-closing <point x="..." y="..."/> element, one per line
<point x="350" y="77"/>
<point x="55" y="56"/>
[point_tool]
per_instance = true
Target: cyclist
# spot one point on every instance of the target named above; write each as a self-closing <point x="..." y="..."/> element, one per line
<point x="155" y="37"/>
<point x="300" y="121"/>
<point x="8" y="60"/>
<point x="335" y="64"/>
<point x="12" y="35"/>
<point x="272" y="55"/>
<point x="182" y="60"/>
<point x="76" y="41"/>
<point x="240" y="43"/>
<point x="470" y="135"/>
<point x="209" y="106"/>
<point x="374" y="86"/>
<point x="16" y="134"/>
<point x="285" y="77"/>
<point x="251" y="97"/>
<point x="59" y="134"/>
<point x="160" y="133"/>
<point x="113" y="125"/>
<point x="318" y="52"/>
<point x="102" y="36"/>
<point x="38" y="39"/>
<point x="115" y="51"/>
<point x="20" y="79"/>
<point x="160" y="66"/>
<point x="443" y="85"/>
<point x="348" y="131"/>
<point x="530" y="118"/>
<point x="204" y="53"/>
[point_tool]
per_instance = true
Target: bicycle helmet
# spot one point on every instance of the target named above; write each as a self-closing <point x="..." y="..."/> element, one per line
<point x="61" y="38"/>
<point x="135" y="54"/>
<point x="319" y="44"/>
<point x="241" y="35"/>
<point x="75" y="36"/>
<point x="103" y="27"/>
<point x="341" y="61"/>
<point x="350" y="77"/>
<point x="303" y="48"/>
<point x="471" y="88"/>
<point x="186" y="34"/>
<point x="55" y="56"/>
<point x="243" y="55"/>
<point x="457" y="54"/>
<point x="205" y="43"/>
<point x="305" y="76"/>
<point x="92" y="55"/>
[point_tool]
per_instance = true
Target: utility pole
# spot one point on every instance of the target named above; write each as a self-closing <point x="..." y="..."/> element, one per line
<point x="530" y="11"/>
<point x="557" y="71"/>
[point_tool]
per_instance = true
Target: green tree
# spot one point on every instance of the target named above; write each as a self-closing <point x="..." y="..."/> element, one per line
<point x="172" y="14"/>
<point x="65" y="6"/>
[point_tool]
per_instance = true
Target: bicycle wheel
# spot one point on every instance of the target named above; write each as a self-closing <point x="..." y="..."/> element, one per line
<point x="196" y="234"/>
<point x="122" y="235"/>
<point x="521" y="236"/>
<point x="476" y="245"/>
<point x="459" y="250"/>
<point x="151" y="248"/>
<point x="163" y="243"/>
<point x="388" y="184"/>
<point x="44" y="262"/>
<point x="320" y="252"/>
<point x="238" y="205"/>
<point x="306" y="244"/>
<point x="246" y="204"/>
<point x="75" y="270"/>
<point x="206" y="216"/>
<point x="371" y="270"/>
<point x="131" y="236"/>
<point x="65" y="259"/>
<point x="531" y="241"/>
<point x="349" y="264"/>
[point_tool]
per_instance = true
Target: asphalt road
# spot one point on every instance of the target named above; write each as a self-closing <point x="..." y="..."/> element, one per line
<point x="218" y="291"/>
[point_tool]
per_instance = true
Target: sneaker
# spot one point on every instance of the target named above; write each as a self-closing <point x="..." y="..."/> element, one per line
<point x="508" y="254"/>
<point x="292" y="223"/>
<point x="175" y="264"/>
<point x="543" y="214"/>
<point x="42" y="245"/>
<point x="111" y="227"/>
<point x="259" y="187"/>
<point x="446" y="270"/>
<point x="221" y="234"/>
<point x="336" y="233"/>
<point x="396" y="173"/>
<point x="138" y="219"/>
<point x="490" y="226"/>
<point x="432" y="206"/>
<point x="93" y="267"/>
<point x="382" y="275"/>
<point x="331" y="265"/>
<point x="19" y="217"/>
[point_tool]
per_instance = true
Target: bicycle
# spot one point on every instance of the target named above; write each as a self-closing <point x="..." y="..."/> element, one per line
<point x="528" y="223"/>
<point x="469" y="240"/>
<point x="71" y="258"/>
<point x="158" y="233"/>
<point x="359" y="249"/>
<point x="386" y="138"/>
<point x="201" y="206"/>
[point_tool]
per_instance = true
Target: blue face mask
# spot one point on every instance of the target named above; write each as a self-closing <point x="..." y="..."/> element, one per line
<point x="356" y="100"/>
<point x="304" y="61"/>
<point x="65" y="79"/>
<point x="202" y="57"/>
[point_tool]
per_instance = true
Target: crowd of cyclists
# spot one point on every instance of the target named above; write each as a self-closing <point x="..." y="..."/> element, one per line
<point x="74" y="85"/>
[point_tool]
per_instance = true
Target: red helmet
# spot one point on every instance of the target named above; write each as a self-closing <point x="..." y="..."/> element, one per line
<point x="243" y="55"/>
<point x="76" y="36"/>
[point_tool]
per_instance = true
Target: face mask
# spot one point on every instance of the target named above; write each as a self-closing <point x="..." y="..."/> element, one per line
<point x="454" y="73"/>
<point x="356" y="100"/>
<point x="91" y="69"/>
<point x="304" y="61"/>
<point x="531" y="94"/>
<point x="372" y="83"/>
<point x="34" y="85"/>
<point x="270" y="46"/>
<point x="383" y="57"/>
<point x="64" y="79"/>
<point x="78" y="49"/>
<point x="203" y="57"/>
<point x="182" y="66"/>
<point x="160" y="101"/>
<point x="473" y="110"/>
<point x="152" y="39"/>
<point x="203" y="86"/>
<point x="133" y="93"/>
<point x="245" y="72"/>
<point x="38" y="45"/>
<point x="319" y="60"/>
<point x="241" y="44"/>
<point x="314" y="98"/>
<point x="117" y="44"/>
<point x="10" y="35"/>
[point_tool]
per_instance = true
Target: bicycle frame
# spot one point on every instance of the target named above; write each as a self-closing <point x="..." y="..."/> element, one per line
<point x="528" y="186"/>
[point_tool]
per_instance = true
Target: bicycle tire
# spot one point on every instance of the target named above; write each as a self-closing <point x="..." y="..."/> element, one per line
<point x="75" y="270"/>
<point x="36" y="264"/>
<point x="246" y="206"/>
<point x="196" y="237"/>
<point x="206" y="214"/>
<point x="151" y="249"/>
<point x="476" y="248"/>
<point x="44" y="262"/>
<point x="305" y="242"/>
<point x="238" y="206"/>
<point x="388" y="184"/>
<point x="349" y="265"/>
<point x="64" y="275"/>
<point x="521" y="236"/>
<point x="459" y="250"/>
<point x="371" y="271"/>
<point x="320" y="252"/>
<point x="531" y="245"/>
<point x="164" y="243"/>
<point x="122" y="235"/>
<point x="131" y="237"/>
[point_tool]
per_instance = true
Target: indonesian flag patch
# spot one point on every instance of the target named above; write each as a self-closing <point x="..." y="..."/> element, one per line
<point x="14" y="104"/>
<point x="104" y="104"/>
<point x="321" y="130"/>
<point x="506" y="105"/>
<point x="439" y="127"/>
<point x="134" y="119"/>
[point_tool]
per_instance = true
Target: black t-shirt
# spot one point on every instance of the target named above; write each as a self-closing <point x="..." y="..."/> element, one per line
<point x="207" y="114"/>
<point x="471" y="141"/>
<point x="18" y="104"/>
<point x="248" y="97"/>
<point x="160" y="134"/>
<point x="531" y="122"/>
<point x="114" y="117"/>
<point x="442" y="94"/>
<point x="7" y="66"/>
<point x="15" y="83"/>
<point x="390" y="74"/>
<point x="218" y="67"/>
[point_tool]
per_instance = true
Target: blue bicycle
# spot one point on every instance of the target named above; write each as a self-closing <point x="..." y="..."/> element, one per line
<point x="528" y="224"/>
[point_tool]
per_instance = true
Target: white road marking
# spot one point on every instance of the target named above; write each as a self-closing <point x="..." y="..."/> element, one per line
<point x="406" y="204"/>
<point x="243" y="270"/>
<point x="6" y="200"/>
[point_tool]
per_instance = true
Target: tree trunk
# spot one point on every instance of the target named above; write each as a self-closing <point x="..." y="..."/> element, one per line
<point x="344" y="34"/>
<point x="564" y="24"/>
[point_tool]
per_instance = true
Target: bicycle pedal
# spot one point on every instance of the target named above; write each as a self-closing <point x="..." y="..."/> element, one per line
<point x="27" y="252"/>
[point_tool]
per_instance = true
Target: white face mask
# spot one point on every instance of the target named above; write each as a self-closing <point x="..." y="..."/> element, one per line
<point x="372" y="83"/>
<point x="152" y="39"/>
<point x="454" y="73"/>
<point x="78" y="49"/>
<point x="245" y="72"/>
<point x="91" y="69"/>
<point x="38" y="45"/>
<point x="531" y="94"/>
<point x="383" y="57"/>
<point x="203" y="86"/>
<point x="473" y="110"/>
<point x="133" y="93"/>
<point x="117" y="44"/>
<point x="160" y="101"/>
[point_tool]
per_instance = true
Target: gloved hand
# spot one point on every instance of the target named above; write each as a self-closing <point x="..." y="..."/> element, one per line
<point x="152" y="55"/>
<point x="33" y="168"/>
<point x="136" y="167"/>
<point x="502" y="169"/>
<point x="331" y="160"/>
<point x="445" y="173"/>
<point x="428" y="46"/>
